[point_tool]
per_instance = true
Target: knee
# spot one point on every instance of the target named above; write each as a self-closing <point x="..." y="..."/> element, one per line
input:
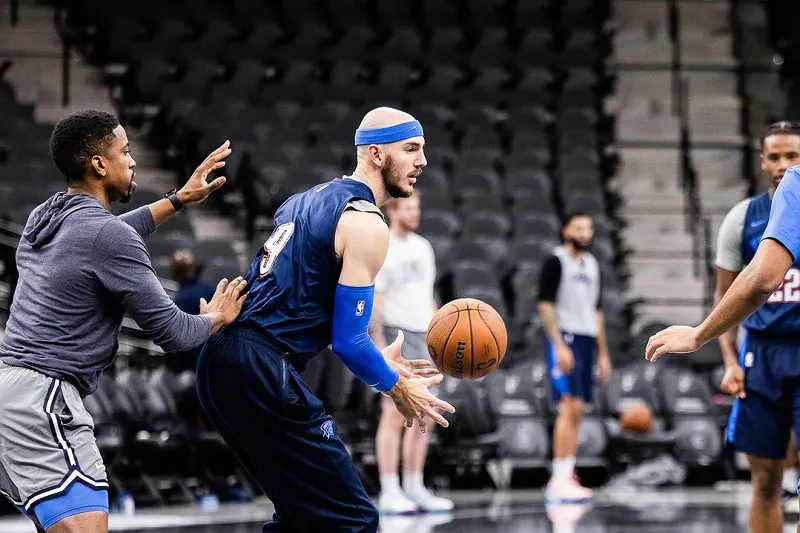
<point x="766" y="485"/>
<point x="571" y="409"/>
<point x="391" y="419"/>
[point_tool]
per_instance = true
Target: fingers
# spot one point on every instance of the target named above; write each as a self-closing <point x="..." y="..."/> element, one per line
<point x="425" y="372"/>
<point x="661" y="350"/>
<point x="399" y="339"/>
<point x="437" y="417"/>
<point x="442" y="406"/>
<point x="222" y="285"/>
<point x="419" y="363"/>
<point x="214" y="158"/>
<point x="236" y="287"/>
<point x="217" y="183"/>
<point x="434" y="380"/>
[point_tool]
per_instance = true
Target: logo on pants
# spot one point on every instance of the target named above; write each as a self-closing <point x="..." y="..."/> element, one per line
<point x="327" y="429"/>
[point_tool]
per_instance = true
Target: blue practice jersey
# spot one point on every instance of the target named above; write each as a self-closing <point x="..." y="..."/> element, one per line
<point x="779" y="219"/>
<point x="293" y="278"/>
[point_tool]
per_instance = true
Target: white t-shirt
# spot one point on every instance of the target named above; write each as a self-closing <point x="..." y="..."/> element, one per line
<point x="406" y="281"/>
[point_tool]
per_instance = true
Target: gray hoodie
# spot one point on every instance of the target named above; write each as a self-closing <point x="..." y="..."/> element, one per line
<point x="80" y="269"/>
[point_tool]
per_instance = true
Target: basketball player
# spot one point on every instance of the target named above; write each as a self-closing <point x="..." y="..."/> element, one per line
<point x="404" y="302"/>
<point x="312" y="285"/>
<point x="766" y="353"/>
<point x="771" y="275"/>
<point x="569" y="306"/>
<point x="81" y="269"/>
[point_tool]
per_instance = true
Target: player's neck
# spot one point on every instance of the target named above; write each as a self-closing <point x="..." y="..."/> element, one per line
<point x="95" y="192"/>
<point x="400" y="231"/>
<point x="574" y="252"/>
<point x="374" y="181"/>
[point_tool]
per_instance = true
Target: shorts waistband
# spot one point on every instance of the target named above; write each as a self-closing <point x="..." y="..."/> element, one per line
<point x="772" y="339"/>
<point x="268" y="343"/>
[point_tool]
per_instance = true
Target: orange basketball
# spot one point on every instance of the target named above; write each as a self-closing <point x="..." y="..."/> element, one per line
<point x="467" y="338"/>
<point x="637" y="418"/>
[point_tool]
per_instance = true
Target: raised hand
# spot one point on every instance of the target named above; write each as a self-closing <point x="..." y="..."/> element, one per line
<point x="197" y="189"/>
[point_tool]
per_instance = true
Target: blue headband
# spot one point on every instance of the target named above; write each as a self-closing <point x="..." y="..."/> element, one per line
<point x="389" y="134"/>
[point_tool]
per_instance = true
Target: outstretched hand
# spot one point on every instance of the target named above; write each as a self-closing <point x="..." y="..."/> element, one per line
<point x="406" y="367"/>
<point x="197" y="189"/>
<point x="674" y="339"/>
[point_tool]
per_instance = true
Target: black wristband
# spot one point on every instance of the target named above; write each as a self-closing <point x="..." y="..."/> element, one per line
<point x="172" y="196"/>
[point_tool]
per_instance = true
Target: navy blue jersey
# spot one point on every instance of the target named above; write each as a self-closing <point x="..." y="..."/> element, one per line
<point x="780" y="316"/>
<point x="293" y="278"/>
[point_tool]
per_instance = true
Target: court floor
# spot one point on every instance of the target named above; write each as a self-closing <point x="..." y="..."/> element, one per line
<point x="635" y="511"/>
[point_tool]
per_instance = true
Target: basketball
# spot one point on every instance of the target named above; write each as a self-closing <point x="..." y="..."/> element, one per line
<point x="637" y="418"/>
<point x="467" y="338"/>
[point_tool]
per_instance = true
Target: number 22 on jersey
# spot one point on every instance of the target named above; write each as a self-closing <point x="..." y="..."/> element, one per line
<point x="273" y="247"/>
<point x="789" y="291"/>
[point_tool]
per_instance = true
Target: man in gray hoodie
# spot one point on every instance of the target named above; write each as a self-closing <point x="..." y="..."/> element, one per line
<point x="80" y="270"/>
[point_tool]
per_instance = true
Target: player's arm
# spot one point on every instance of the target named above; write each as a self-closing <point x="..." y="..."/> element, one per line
<point x="548" y="289"/>
<point x="122" y="265"/>
<point x="145" y="219"/>
<point x="362" y="240"/>
<point x="727" y="341"/>
<point x="603" y="354"/>
<point x="728" y="265"/>
<point x="779" y="247"/>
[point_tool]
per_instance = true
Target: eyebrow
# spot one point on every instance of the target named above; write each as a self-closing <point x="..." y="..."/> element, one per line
<point x="414" y="144"/>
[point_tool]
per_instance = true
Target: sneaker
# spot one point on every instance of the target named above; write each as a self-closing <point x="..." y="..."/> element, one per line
<point x="396" y="503"/>
<point x="565" y="491"/>
<point x="428" y="502"/>
<point x="566" y="513"/>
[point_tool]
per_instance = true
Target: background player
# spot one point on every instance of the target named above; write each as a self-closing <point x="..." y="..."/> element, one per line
<point x="761" y="418"/>
<point x="312" y="285"/>
<point x="81" y="268"/>
<point x="404" y="301"/>
<point x="569" y="305"/>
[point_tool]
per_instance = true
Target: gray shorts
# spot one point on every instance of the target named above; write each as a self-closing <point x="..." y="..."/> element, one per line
<point x="415" y="345"/>
<point x="46" y="438"/>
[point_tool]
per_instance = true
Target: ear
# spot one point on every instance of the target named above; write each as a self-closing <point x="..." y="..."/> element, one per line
<point x="375" y="155"/>
<point x="763" y="162"/>
<point x="99" y="165"/>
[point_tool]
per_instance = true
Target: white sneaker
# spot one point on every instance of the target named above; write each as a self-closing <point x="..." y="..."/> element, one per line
<point x="396" y="503"/>
<point x="566" y="491"/>
<point x="429" y="502"/>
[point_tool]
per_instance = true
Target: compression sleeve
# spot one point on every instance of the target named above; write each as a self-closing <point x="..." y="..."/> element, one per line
<point x="352" y="308"/>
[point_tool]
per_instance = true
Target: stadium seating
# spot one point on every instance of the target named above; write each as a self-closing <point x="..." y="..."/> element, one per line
<point x="511" y="111"/>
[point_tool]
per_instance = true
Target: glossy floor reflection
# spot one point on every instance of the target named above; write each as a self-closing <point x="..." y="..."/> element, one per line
<point x="684" y="510"/>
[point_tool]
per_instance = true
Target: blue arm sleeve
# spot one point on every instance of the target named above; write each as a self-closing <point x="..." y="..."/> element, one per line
<point x="784" y="216"/>
<point x="352" y="309"/>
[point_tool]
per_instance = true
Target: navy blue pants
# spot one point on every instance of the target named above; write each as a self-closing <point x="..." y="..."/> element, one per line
<point x="760" y="424"/>
<point x="282" y="435"/>
<point x="579" y="384"/>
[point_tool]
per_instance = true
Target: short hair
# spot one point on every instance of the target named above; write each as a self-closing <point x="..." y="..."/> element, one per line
<point x="784" y="127"/>
<point x="572" y="216"/>
<point x="79" y="137"/>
